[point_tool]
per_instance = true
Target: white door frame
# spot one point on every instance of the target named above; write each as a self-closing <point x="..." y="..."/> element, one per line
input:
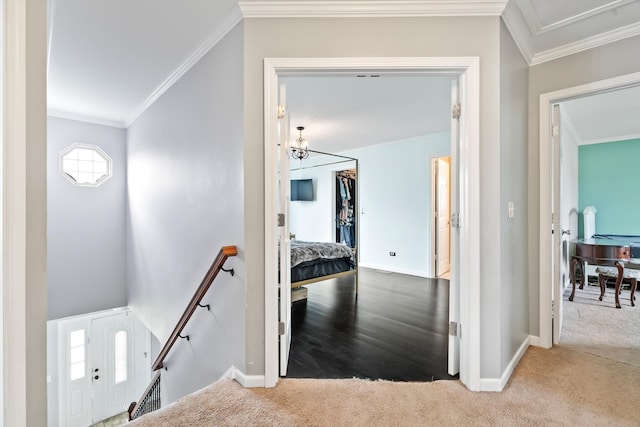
<point x="468" y="69"/>
<point x="547" y="183"/>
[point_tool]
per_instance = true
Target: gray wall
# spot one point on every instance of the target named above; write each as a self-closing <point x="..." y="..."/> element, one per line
<point x="399" y="37"/>
<point x="514" y="289"/>
<point x="395" y="192"/>
<point x="592" y="65"/>
<point x="85" y="225"/>
<point x="185" y="201"/>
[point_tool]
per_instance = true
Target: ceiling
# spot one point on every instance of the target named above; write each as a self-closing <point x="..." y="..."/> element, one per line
<point x="110" y="59"/>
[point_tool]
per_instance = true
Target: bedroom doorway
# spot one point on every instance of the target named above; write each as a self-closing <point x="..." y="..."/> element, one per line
<point x="465" y="241"/>
<point x="550" y="272"/>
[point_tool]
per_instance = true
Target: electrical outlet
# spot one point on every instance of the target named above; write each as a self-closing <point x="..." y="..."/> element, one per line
<point x="392" y="254"/>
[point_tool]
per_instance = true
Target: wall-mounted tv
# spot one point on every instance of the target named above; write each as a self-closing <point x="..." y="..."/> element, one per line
<point x="302" y="190"/>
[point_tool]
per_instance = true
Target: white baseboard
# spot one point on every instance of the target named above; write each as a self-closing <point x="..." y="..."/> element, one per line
<point x="534" y="341"/>
<point x="394" y="269"/>
<point x="244" y="379"/>
<point x="498" y="384"/>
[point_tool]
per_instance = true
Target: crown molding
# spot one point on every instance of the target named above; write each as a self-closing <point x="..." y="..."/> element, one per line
<point x="616" y="138"/>
<point x="222" y="30"/>
<point x="588" y="43"/>
<point x="380" y="8"/>
<point x="536" y="27"/>
<point x="514" y="21"/>
<point x="87" y="119"/>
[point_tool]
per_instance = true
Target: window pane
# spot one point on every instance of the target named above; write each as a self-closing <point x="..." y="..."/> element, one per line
<point x="120" y="353"/>
<point x="85" y="154"/>
<point x="85" y="166"/>
<point x="100" y="167"/>
<point x="76" y="338"/>
<point x="77" y="354"/>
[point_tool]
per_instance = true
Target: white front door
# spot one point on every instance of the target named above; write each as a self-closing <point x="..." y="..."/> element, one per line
<point x="284" y="199"/>
<point x="103" y="366"/>
<point x="442" y="198"/>
<point x="74" y="373"/>
<point x="112" y="365"/>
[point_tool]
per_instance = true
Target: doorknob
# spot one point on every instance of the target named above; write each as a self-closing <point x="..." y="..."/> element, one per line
<point x="567" y="232"/>
<point x="292" y="236"/>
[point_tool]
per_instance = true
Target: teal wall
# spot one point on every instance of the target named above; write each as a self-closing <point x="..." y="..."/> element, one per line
<point x="609" y="179"/>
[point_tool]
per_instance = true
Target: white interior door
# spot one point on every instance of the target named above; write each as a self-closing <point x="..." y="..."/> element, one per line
<point x="454" y="249"/>
<point x="560" y="237"/>
<point x="443" y="213"/>
<point x="284" y="236"/>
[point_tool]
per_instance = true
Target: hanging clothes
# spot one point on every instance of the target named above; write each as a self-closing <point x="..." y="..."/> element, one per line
<point x="345" y="208"/>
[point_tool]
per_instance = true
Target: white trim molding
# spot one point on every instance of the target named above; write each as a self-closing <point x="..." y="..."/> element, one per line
<point x="243" y="379"/>
<point x="360" y="9"/>
<point x="468" y="69"/>
<point x="498" y="384"/>
<point x="547" y="187"/>
<point x="86" y="119"/>
<point x="608" y="37"/>
<point x="222" y="30"/>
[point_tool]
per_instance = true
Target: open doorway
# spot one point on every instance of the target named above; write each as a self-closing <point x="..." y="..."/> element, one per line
<point x="441" y="203"/>
<point x="465" y="245"/>
<point x="560" y="141"/>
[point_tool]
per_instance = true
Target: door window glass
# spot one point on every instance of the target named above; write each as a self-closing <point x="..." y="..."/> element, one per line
<point x="120" y="359"/>
<point x="77" y="355"/>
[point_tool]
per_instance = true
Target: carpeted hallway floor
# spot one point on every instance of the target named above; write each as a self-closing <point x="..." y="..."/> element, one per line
<point x="577" y="383"/>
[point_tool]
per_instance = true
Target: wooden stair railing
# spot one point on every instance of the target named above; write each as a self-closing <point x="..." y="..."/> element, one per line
<point x="149" y="401"/>
<point x="225" y="252"/>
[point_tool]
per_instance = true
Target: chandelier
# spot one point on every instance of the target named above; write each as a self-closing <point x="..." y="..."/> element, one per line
<point x="299" y="147"/>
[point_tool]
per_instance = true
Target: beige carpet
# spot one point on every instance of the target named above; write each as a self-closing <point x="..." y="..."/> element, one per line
<point x="591" y="379"/>
<point x="597" y="327"/>
<point x="549" y="387"/>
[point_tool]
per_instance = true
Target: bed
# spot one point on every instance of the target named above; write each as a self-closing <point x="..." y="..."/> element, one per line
<point x="316" y="261"/>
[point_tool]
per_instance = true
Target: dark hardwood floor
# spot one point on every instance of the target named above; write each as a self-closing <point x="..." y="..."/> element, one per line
<point x="396" y="329"/>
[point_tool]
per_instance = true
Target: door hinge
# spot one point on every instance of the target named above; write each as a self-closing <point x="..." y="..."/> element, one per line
<point x="455" y="330"/>
<point x="555" y="130"/>
<point x="455" y="112"/>
<point x="456" y="221"/>
<point x="280" y="220"/>
<point x="281" y="111"/>
<point x="553" y="309"/>
<point x="280" y="328"/>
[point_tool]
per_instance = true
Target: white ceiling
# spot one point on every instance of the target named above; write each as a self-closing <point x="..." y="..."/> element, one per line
<point x="110" y="59"/>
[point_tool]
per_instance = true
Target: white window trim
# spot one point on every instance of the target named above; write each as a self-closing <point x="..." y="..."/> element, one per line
<point x="99" y="150"/>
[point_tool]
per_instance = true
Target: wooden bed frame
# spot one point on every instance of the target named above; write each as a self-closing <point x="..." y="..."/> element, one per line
<point x="330" y="276"/>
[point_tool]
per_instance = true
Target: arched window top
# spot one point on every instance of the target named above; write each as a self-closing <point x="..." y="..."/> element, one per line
<point x="85" y="165"/>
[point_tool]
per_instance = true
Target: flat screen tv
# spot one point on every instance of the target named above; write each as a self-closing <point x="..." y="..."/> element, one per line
<point x="301" y="190"/>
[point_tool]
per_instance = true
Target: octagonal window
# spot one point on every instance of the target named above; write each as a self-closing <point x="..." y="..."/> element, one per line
<point x="85" y="165"/>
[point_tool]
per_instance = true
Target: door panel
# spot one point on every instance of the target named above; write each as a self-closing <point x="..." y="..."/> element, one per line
<point x="113" y="366"/>
<point x="454" y="248"/>
<point x="74" y="373"/>
<point x="284" y="236"/>
<point x="443" y="215"/>
<point x="556" y="296"/>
